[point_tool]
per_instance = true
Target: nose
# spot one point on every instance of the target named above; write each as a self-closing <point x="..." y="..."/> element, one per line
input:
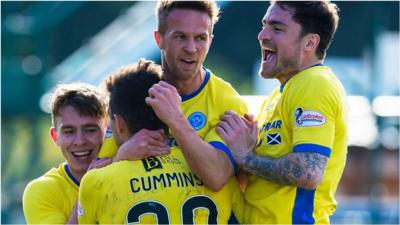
<point x="190" y="46"/>
<point x="264" y="34"/>
<point x="80" y="138"/>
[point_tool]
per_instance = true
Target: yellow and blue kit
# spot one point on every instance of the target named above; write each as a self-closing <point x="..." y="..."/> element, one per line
<point x="202" y="108"/>
<point x="306" y="114"/>
<point x="50" y="198"/>
<point x="156" y="190"/>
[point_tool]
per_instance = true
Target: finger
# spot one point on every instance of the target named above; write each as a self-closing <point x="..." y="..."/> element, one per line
<point x="232" y="113"/>
<point x="226" y="126"/>
<point x="166" y="85"/>
<point x="249" y="117"/>
<point x="157" y="134"/>
<point x="156" y="91"/>
<point x="231" y="121"/>
<point x="103" y="163"/>
<point x="158" y="151"/>
<point x="150" y="101"/>
<point x="254" y="130"/>
<point x="154" y="142"/>
<point x="221" y="131"/>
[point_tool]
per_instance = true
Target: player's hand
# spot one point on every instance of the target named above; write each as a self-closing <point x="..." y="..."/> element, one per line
<point x="166" y="102"/>
<point x="143" y="144"/>
<point x="239" y="133"/>
<point x="99" y="163"/>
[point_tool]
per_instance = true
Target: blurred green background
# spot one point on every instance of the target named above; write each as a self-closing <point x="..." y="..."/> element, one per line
<point x="45" y="43"/>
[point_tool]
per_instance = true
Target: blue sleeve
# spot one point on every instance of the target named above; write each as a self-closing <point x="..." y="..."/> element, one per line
<point x="221" y="146"/>
<point x="313" y="148"/>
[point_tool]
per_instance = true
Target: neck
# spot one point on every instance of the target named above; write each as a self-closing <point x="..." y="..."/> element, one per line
<point x="185" y="86"/>
<point x="303" y="66"/>
<point x="76" y="174"/>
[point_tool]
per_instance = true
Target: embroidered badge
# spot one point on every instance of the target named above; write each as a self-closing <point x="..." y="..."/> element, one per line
<point x="308" y="118"/>
<point x="274" y="139"/>
<point x="197" y="120"/>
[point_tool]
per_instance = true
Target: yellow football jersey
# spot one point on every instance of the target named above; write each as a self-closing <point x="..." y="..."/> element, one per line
<point x="156" y="190"/>
<point x="50" y="198"/>
<point x="203" y="108"/>
<point x="307" y="114"/>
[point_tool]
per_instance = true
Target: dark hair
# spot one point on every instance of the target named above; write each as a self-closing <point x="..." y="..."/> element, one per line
<point x="320" y="17"/>
<point x="128" y="88"/>
<point x="87" y="99"/>
<point x="164" y="7"/>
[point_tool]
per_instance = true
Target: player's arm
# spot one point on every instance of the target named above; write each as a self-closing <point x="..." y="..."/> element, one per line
<point x="302" y="169"/>
<point x="212" y="166"/>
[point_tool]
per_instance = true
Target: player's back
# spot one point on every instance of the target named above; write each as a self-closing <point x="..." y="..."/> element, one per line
<point x="159" y="190"/>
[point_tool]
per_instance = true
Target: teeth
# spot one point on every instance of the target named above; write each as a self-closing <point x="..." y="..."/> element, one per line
<point x="270" y="49"/>
<point x="188" y="60"/>
<point x="81" y="153"/>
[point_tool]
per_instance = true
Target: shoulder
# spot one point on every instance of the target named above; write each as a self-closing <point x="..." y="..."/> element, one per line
<point x="315" y="83"/>
<point x="226" y="97"/>
<point x="44" y="190"/>
<point x="48" y="181"/>
<point x="221" y="84"/>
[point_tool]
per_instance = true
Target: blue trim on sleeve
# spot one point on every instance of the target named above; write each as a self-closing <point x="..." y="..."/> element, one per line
<point x="189" y="96"/>
<point x="221" y="146"/>
<point x="70" y="175"/>
<point x="313" y="148"/>
<point x="303" y="207"/>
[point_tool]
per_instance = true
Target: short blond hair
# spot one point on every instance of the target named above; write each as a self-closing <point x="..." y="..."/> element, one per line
<point x="164" y="7"/>
<point x="85" y="98"/>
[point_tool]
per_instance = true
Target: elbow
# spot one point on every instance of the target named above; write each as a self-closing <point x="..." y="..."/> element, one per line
<point x="311" y="182"/>
<point x="217" y="182"/>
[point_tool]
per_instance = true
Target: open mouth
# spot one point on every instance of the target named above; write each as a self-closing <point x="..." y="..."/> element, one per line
<point x="188" y="61"/>
<point x="268" y="54"/>
<point x="82" y="154"/>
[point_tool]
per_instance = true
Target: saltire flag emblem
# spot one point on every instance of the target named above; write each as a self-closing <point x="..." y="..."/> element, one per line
<point x="274" y="139"/>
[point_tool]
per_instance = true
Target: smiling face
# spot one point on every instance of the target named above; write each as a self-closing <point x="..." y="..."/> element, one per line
<point x="79" y="138"/>
<point x="281" y="42"/>
<point x="185" y="44"/>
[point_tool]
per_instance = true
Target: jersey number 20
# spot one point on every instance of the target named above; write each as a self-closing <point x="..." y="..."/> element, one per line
<point x="161" y="212"/>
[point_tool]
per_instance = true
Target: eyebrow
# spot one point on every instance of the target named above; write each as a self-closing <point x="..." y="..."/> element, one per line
<point x="84" y="125"/>
<point x="273" y="22"/>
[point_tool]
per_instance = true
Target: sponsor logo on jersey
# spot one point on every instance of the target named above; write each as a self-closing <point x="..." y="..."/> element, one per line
<point x="274" y="139"/>
<point x="151" y="163"/>
<point x="276" y="124"/>
<point x="308" y="118"/>
<point x="197" y="120"/>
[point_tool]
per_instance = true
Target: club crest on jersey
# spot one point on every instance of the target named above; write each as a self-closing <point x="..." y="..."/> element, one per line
<point x="274" y="139"/>
<point x="308" y="118"/>
<point x="197" y="120"/>
<point x="151" y="163"/>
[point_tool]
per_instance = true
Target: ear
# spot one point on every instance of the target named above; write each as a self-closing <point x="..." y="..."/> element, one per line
<point x="311" y="42"/>
<point x="120" y="124"/>
<point x="158" y="39"/>
<point x="53" y="134"/>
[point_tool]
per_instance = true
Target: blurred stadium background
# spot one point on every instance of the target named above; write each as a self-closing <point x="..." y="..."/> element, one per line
<point x="44" y="43"/>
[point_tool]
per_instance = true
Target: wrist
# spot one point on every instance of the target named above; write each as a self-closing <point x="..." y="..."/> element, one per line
<point x="244" y="161"/>
<point x="179" y="123"/>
